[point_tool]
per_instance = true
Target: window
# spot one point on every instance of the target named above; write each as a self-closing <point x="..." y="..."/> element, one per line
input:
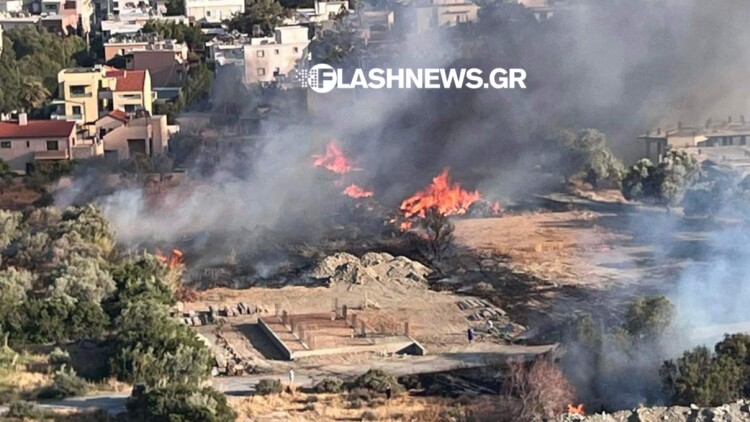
<point x="261" y="53"/>
<point x="52" y="146"/>
<point x="276" y="71"/>
<point x="208" y="13"/>
<point x="77" y="90"/>
<point x="261" y="72"/>
<point x="743" y="141"/>
<point x="28" y="144"/>
<point x="296" y="49"/>
<point x="276" y="52"/>
<point x="77" y="110"/>
<point x="130" y="108"/>
<point x="5" y="144"/>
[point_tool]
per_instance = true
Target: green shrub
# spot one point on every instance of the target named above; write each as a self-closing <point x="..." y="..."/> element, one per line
<point x="181" y="403"/>
<point x="66" y="384"/>
<point x="268" y="386"/>
<point x="25" y="410"/>
<point x="410" y="382"/>
<point x="376" y="380"/>
<point x="58" y="358"/>
<point x="329" y="385"/>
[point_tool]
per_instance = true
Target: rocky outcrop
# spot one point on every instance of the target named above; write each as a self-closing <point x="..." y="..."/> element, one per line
<point x="733" y="412"/>
<point x="343" y="267"/>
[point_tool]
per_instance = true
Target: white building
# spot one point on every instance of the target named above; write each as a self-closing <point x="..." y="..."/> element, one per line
<point x="271" y="57"/>
<point x="227" y="49"/>
<point x="213" y="11"/>
<point x="545" y="10"/>
<point x="11" y="6"/>
<point x="129" y="22"/>
<point x="323" y="11"/>
<point x="20" y="20"/>
<point x="83" y="9"/>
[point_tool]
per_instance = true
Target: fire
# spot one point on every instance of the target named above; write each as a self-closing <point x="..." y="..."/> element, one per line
<point x="450" y="199"/>
<point x="173" y="260"/>
<point x="575" y="410"/>
<point x="334" y="160"/>
<point x="355" y="191"/>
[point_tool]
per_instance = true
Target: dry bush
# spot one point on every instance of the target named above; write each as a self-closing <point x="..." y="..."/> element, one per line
<point x="541" y="390"/>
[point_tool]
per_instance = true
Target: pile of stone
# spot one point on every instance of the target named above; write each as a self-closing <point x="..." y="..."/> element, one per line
<point x="738" y="411"/>
<point x="215" y="314"/>
<point x="343" y="267"/>
<point x="230" y="362"/>
<point x="480" y="312"/>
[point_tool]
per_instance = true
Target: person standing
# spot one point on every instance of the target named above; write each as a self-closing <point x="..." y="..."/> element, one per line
<point x="291" y="380"/>
<point x="470" y="334"/>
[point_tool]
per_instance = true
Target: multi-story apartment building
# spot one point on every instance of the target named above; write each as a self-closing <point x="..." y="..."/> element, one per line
<point x="85" y="94"/>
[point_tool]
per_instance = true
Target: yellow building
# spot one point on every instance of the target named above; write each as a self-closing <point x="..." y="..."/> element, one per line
<point x="85" y="94"/>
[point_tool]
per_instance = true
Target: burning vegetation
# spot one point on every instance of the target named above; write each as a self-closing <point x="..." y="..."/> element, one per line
<point x="449" y="198"/>
<point x="334" y="160"/>
<point x="355" y="191"/>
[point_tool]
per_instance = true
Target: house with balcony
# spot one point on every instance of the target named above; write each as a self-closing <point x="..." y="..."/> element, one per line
<point x="25" y="142"/>
<point x="86" y="94"/>
<point x="124" y="136"/>
<point x="74" y="13"/>
<point x="271" y="59"/>
<point x="213" y="11"/>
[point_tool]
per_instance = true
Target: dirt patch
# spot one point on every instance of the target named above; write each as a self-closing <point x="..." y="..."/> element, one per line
<point x="328" y="407"/>
<point x="563" y="247"/>
<point x="18" y="196"/>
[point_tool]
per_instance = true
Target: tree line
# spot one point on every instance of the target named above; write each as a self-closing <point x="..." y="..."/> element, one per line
<point x="63" y="278"/>
<point x="30" y="61"/>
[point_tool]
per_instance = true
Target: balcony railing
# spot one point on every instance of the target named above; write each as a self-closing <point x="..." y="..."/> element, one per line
<point x="80" y="94"/>
<point x="68" y="117"/>
<point x="51" y="155"/>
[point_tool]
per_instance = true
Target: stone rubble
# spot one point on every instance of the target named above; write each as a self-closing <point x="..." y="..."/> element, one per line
<point x="343" y="267"/>
<point x="732" y="412"/>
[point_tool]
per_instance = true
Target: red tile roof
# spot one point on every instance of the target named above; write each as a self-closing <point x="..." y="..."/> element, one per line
<point x="37" y="129"/>
<point x="128" y="80"/>
<point x="119" y="115"/>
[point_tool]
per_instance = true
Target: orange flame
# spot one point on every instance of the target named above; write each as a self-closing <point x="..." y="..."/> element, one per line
<point x="334" y="160"/>
<point x="450" y="199"/>
<point x="575" y="410"/>
<point x="355" y="191"/>
<point x="173" y="260"/>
